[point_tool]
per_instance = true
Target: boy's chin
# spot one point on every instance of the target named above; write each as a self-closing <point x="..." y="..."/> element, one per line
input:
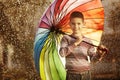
<point x="76" y="35"/>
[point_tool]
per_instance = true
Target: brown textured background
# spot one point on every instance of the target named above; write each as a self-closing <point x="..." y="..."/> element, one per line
<point x="18" y="22"/>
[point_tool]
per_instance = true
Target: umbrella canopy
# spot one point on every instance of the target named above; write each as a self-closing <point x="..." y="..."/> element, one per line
<point x="53" y="24"/>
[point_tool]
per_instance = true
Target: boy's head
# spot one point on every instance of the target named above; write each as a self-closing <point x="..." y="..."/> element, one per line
<point x="76" y="22"/>
<point x="77" y="14"/>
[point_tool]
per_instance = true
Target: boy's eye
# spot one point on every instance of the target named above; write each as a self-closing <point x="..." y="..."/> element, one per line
<point x="78" y="23"/>
<point x="73" y="23"/>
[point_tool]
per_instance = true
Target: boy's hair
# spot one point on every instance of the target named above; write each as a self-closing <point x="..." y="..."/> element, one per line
<point x="77" y="14"/>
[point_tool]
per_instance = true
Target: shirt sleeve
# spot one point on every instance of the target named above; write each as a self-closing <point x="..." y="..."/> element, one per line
<point x="94" y="54"/>
<point x="91" y="51"/>
<point x="65" y="48"/>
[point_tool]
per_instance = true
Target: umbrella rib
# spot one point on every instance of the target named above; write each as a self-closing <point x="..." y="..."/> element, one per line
<point x="41" y="33"/>
<point x="45" y="22"/>
<point x="48" y="42"/>
<point x="48" y="19"/>
<point x="51" y="20"/>
<point x="86" y="3"/>
<point x="92" y="28"/>
<point x="69" y="12"/>
<point x="47" y="45"/>
<point x="75" y="7"/>
<point x="41" y="42"/>
<point x="92" y="9"/>
<point x="64" y="12"/>
<point x="55" y="46"/>
<point x="94" y="18"/>
<point x="39" y="46"/>
<point x="47" y="51"/>
<point x="52" y="44"/>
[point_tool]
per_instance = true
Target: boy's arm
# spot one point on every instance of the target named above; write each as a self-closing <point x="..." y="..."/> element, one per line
<point x="99" y="53"/>
<point x="65" y="48"/>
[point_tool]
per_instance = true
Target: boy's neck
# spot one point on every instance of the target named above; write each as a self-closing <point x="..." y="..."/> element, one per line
<point x="77" y="35"/>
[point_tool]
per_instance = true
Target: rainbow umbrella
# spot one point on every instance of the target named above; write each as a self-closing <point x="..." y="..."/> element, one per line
<point x="54" y="24"/>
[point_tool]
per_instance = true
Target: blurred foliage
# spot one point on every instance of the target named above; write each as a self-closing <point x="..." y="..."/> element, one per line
<point x="109" y="67"/>
<point x="18" y="23"/>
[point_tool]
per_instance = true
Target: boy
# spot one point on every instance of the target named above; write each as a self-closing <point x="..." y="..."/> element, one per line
<point x="76" y="50"/>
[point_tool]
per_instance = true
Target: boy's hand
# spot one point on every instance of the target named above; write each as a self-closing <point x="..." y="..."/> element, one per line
<point x="102" y="50"/>
<point x="78" y="41"/>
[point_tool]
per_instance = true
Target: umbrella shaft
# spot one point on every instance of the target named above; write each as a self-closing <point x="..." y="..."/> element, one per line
<point x="90" y="44"/>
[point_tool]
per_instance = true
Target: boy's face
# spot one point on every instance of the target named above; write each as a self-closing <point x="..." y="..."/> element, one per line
<point x="76" y="25"/>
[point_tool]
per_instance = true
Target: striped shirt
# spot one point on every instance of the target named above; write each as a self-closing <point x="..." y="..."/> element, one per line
<point x="76" y="56"/>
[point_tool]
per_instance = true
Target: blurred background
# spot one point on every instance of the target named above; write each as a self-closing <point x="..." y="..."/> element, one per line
<point x="18" y="24"/>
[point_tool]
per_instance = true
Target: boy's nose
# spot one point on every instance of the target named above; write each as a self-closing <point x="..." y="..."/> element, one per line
<point x="76" y="26"/>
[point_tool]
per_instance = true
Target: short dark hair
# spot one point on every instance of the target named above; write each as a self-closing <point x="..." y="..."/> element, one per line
<point x="77" y="14"/>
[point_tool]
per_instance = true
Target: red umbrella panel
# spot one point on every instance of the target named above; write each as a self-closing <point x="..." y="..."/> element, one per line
<point x="55" y="22"/>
